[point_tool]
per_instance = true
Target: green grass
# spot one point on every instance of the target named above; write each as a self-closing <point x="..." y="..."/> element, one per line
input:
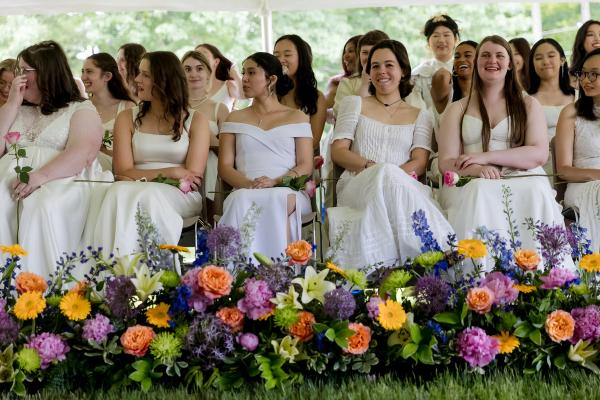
<point x="572" y="384"/>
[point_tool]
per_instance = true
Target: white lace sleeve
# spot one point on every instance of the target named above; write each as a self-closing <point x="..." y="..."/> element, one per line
<point x="347" y="119"/>
<point x="423" y="132"/>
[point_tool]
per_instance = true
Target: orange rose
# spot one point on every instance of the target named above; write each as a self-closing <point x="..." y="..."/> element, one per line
<point x="560" y="326"/>
<point x="299" y="252"/>
<point x="359" y="342"/>
<point x="232" y="317"/>
<point x="303" y="329"/>
<point x="214" y="282"/>
<point x="30" y="282"/>
<point x="80" y="288"/>
<point x="527" y="260"/>
<point x="480" y="299"/>
<point x="136" y="340"/>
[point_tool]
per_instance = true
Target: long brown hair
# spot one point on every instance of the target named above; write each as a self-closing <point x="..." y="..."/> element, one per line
<point x="515" y="105"/>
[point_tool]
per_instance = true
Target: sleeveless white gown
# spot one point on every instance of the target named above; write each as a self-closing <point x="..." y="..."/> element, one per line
<point x="52" y="217"/>
<point x="269" y="153"/>
<point x="551" y="113"/>
<point x="222" y="96"/>
<point x="375" y="206"/>
<point x="210" y="175"/>
<point x="586" y="196"/>
<point x="104" y="159"/>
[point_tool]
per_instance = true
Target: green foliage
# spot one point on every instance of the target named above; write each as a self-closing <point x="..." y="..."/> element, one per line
<point x="144" y="373"/>
<point x="338" y="332"/>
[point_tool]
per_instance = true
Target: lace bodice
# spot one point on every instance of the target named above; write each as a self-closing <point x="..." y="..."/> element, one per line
<point x="587" y="143"/>
<point x="471" y="135"/>
<point x="49" y="131"/>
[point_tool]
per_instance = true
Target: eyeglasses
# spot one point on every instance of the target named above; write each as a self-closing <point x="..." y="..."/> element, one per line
<point x="24" y="70"/>
<point x="590" y="75"/>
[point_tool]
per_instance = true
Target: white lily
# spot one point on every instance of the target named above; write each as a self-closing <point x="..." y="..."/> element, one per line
<point x="126" y="265"/>
<point x="290" y="299"/>
<point x="314" y="286"/>
<point x="287" y="348"/>
<point x="146" y="283"/>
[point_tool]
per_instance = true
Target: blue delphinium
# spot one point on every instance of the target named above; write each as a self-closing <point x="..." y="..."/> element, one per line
<point x="421" y="228"/>
<point x="499" y="248"/>
<point x="202" y="250"/>
<point x="437" y="331"/>
<point x="180" y="302"/>
<point x="580" y="244"/>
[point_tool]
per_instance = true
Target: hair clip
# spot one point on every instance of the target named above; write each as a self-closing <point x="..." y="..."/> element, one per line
<point x="438" y="18"/>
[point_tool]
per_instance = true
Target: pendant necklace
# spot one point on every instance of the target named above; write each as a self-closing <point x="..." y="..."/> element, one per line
<point x="387" y="105"/>
<point x="260" y="118"/>
<point x="195" y="103"/>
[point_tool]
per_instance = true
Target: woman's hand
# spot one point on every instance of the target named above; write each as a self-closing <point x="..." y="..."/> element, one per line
<point x="15" y="95"/>
<point x="489" y="172"/>
<point x="465" y="160"/>
<point x="263" y="182"/>
<point x="194" y="181"/>
<point x="23" y="190"/>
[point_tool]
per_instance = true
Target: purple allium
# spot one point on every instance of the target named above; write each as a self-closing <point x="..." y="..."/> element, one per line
<point x="587" y="323"/>
<point x="278" y="276"/>
<point x="119" y="291"/>
<point x="249" y="341"/>
<point x="339" y="304"/>
<point x="50" y="347"/>
<point x="224" y="242"/>
<point x="373" y="306"/>
<point x="554" y="242"/>
<point x="9" y="330"/>
<point x="257" y="301"/>
<point x="97" y="328"/>
<point x="476" y="347"/>
<point x="557" y="278"/>
<point x="502" y="286"/>
<point x="209" y="340"/>
<point x="432" y="294"/>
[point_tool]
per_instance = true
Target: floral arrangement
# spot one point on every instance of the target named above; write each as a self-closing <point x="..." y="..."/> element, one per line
<point x="482" y="303"/>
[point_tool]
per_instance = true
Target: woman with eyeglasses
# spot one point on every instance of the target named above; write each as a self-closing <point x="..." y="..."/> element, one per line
<point x="61" y="134"/>
<point x="578" y="148"/>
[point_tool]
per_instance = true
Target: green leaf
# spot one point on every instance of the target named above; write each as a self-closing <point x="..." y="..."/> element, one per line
<point x="463" y="313"/>
<point x="409" y="349"/>
<point x="27" y="169"/>
<point x="137" y="376"/>
<point x="146" y="385"/>
<point x="345" y="333"/>
<point x="536" y="337"/>
<point x="17" y="169"/>
<point x="425" y="355"/>
<point x="21" y="152"/>
<point x="319" y="327"/>
<point x="330" y="334"/>
<point x="523" y="330"/>
<point x="560" y="362"/>
<point x="342" y="342"/>
<point x="448" y="317"/>
<point x="24" y="177"/>
<point x="415" y="333"/>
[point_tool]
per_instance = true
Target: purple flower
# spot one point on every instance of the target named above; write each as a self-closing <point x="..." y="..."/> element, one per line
<point x="119" y="291"/>
<point x="249" y="341"/>
<point x="278" y="276"/>
<point x="373" y="306"/>
<point x="50" y="347"/>
<point x="209" y="340"/>
<point x="476" y="347"/>
<point x="339" y="304"/>
<point x="557" y="278"/>
<point x="432" y="294"/>
<point x="587" y="323"/>
<point x="9" y="330"/>
<point x="190" y="278"/>
<point x="97" y="328"/>
<point x="502" y="286"/>
<point x="554" y="242"/>
<point x="197" y="301"/>
<point x="421" y="229"/>
<point x="256" y="302"/>
<point x="224" y="242"/>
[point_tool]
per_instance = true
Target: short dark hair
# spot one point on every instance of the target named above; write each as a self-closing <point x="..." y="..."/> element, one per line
<point x="564" y="82"/>
<point x="222" y="72"/>
<point x="271" y="65"/>
<point x="585" y="104"/>
<point x="401" y="54"/>
<point x="133" y="53"/>
<point x="370" y="38"/>
<point x="115" y="85"/>
<point x="440" y="20"/>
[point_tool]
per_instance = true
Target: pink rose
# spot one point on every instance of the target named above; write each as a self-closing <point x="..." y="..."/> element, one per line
<point x="318" y="162"/>
<point x="310" y="188"/>
<point x="185" y="185"/>
<point x="413" y="174"/>
<point x="12" y="137"/>
<point x="451" y="178"/>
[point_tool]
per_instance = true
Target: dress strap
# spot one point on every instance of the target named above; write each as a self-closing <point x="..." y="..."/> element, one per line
<point x="216" y="116"/>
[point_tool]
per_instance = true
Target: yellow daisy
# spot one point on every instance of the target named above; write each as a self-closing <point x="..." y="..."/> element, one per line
<point x="74" y="306"/>
<point x="29" y="305"/>
<point x="14" y="250"/>
<point x="524" y="288"/>
<point x="507" y="342"/>
<point x="590" y="262"/>
<point x="391" y="315"/>
<point x="266" y="316"/>
<point x="159" y="315"/>
<point x="174" y="247"/>
<point x="472" y="248"/>
<point x="331" y="266"/>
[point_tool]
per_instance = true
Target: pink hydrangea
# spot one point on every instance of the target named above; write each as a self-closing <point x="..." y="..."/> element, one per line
<point x="587" y="323"/>
<point x="97" y="328"/>
<point x="476" y="347"/>
<point x="502" y="286"/>
<point x="257" y="301"/>
<point x="50" y="347"/>
<point x="557" y="278"/>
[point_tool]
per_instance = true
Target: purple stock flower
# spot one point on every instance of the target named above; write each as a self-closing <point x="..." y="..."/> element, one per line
<point x="97" y="328"/>
<point x="224" y="242"/>
<point x="587" y="323"/>
<point x="209" y="340"/>
<point x="249" y="341"/>
<point x="557" y="278"/>
<point x="50" y="347"/>
<point x="119" y="291"/>
<point x="432" y="294"/>
<point x="257" y="301"/>
<point x="373" y="306"/>
<point x="502" y="286"/>
<point x="476" y="347"/>
<point x="339" y="304"/>
<point x="9" y="330"/>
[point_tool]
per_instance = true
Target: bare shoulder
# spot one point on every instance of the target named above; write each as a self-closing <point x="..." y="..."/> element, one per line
<point x="294" y="116"/>
<point x="569" y="111"/>
<point x="239" y="115"/>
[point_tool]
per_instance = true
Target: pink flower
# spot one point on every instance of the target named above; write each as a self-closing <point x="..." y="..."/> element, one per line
<point x="318" y="162"/>
<point x="12" y="137"/>
<point x="310" y="188"/>
<point x="414" y="175"/>
<point x="502" y="286"/>
<point x="451" y="178"/>
<point x="557" y="278"/>
<point x="476" y="347"/>
<point x="185" y="184"/>
<point x="248" y="341"/>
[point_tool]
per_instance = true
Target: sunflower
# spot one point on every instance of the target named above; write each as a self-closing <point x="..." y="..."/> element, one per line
<point x="590" y="262"/>
<point x="391" y="315"/>
<point x="29" y="305"/>
<point x="507" y="342"/>
<point x="174" y="248"/>
<point x="14" y="250"/>
<point x="74" y="306"/>
<point x="472" y="248"/>
<point x="331" y="266"/>
<point x="524" y="288"/>
<point x="159" y="315"/>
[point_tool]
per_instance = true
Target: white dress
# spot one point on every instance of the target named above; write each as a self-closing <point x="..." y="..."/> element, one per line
<point x="586" y="196"/>
<point x="104" y="159"/>
<point x="222" y="96"/>
<point x="375" y="206"/>
<point x="422" y="75"/>
<point x="271" y="153"/>
<point x="552" y="113"/>
<point x="52" y="217"/>
<point x="210" y="174"/>
<point x="116" y="229"/>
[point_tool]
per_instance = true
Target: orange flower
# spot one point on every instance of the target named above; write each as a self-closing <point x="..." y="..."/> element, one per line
<point x="527" y="260"/>
<point x="524" y="288"/>
<point x="232" y="317"/>
<point x="299" y="252"/>
<point x="80" y="287"/>
<point x="560" y="326"/>
<point x="480" y="299"/>
<point x="359" y="342"/>
<point x="214" y="282"/>
<point x="303" y="329"/>
<point x="137" y="339"/>
<point x="30" y="282"/>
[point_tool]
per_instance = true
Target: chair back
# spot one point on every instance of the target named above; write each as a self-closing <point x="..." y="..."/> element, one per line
<point x="559" y="184"/>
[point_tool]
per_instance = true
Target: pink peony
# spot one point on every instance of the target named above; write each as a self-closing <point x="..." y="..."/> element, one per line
<point x="451" y="178"/>
<point x="12" y="137"/>
<point x="476" y="347"/>
<point x="557" y="278"/>
<point x="248" y="341"/>
<point x="310" y="188"/>
<point x="502" y="286"/>
<point x="185" y="184"/>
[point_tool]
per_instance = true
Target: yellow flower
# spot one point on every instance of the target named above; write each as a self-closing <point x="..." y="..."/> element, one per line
<point x="75" y="307"/>
<point x="159" y="315"/>
<point x="266" y="316"/>
<point x="590" y="262"/>
<point x="391" y="315"/>
<point x="14" y="250"/>
<point x="472" y="248"/>
<point x="507" y="341"/>
<point x="524" y="288"/>
<point x="335" y="268"/>
<point x="174" y="247"/>
<point x="29" y="305"/>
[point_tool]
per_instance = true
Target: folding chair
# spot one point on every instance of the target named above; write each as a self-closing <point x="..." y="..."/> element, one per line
<point x="560" y="186"/>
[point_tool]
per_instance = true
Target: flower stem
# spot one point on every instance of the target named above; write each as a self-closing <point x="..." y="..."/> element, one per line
<point x="18" y="219"/>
